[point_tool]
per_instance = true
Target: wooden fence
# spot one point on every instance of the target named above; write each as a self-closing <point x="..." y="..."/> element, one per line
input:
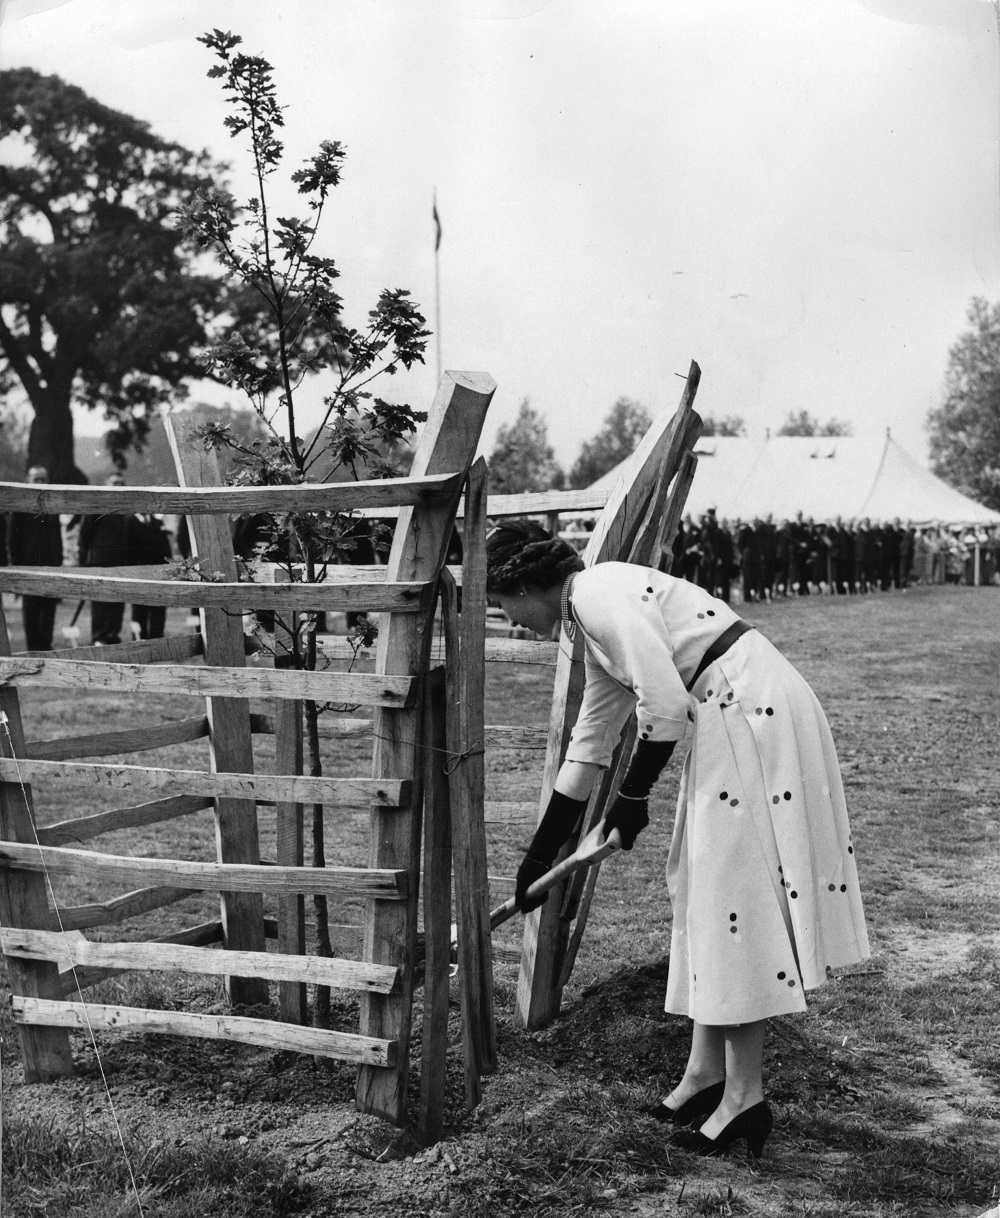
<point x="411" y="732"/>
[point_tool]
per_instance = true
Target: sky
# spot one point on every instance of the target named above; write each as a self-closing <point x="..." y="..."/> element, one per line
<point x="801" y="195"/>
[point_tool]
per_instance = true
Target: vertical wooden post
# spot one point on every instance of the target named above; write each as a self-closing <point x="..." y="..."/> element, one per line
<point x="290" y="843"/>
<point x="447" y="445"/>
<point x="437" y="911"/>
<point x="229" y="718"/>
<point x="675" y="509"/>
<point x="45" y="1052"/>
<point x="467" y="734"/>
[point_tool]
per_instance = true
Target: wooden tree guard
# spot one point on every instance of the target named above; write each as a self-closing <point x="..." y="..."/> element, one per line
<point x="404" y="593"/>
<point x="419" y="546"/>
<point x="632" y="528"/>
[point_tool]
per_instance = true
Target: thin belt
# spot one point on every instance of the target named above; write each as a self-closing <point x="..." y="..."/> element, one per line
<point x="719" y="648"/>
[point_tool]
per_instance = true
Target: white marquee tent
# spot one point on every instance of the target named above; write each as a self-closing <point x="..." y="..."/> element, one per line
<point x="821" y="477"/>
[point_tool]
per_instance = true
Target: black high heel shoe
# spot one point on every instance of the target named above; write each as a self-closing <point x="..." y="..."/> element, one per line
<point x="694" y="1109"/>
<point x="754" y="1125"/>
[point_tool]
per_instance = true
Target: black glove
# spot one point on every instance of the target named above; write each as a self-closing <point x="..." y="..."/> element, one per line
<point x="554" y="831"/>
<point x="629" y="816"/>
<point x="531" y="869"/>
<point x="629" y="813"/>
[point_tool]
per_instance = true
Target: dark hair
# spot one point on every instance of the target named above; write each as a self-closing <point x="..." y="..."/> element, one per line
<point x="522" y="552"/>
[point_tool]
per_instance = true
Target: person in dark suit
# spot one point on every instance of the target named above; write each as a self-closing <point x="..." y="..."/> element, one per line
<point x="36" y="541"/>
<point x="748" y="542"/>
<point x="104" y="542"/>
<point x="148" y="545"/>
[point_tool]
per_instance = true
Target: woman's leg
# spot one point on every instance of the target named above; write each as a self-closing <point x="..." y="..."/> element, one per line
<point x="744" y="1056"/>
<point x="706" y="1064"/>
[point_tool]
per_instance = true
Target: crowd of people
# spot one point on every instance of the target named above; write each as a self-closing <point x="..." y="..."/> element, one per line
<point x="803" y="557"/>
<point x="111" y="540"/>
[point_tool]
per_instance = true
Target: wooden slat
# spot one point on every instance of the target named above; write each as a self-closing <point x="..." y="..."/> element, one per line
<point x="383" y="883"/>
<point x="131" y="740"/>
<point x="675" y="509"/>
<point x="542" y="503"/>
<point x="117" y="909"/>
<point x="532" y="503"/>
<point x="261" y="788"/>
<point x="467" y="779"/>
<point x="289" y="822"/>
<point x="521" y="651"/>
<point x="230" y="742"/>
<point x="351" y="573"/>
<point x="377" y="596"/>
<point x="502" y="736"/>
<point x="45" y="1053"/>
<point x="447" y="442"/>
<point x="329" y="728"/>
<point x="67" y="950"/>
<point x="367" y="689"/>
<point x="264" y="1033"/>
<point x="173" y="647"/>
<point x="436" y="888"/>
<point x="228" y="500"/>
<point x="75" y="981"/>
<point x="497" y="735"/>
<point x="513" y="812"/>
<point x="82" y="828"/>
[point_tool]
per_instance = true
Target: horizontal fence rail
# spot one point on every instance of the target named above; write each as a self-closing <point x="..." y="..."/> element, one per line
<point x="263" y="788"/>
<point x="375" y="596"/>
<point x="367" y="689"/>
<point x="205" y="500"/>
<point x="533" y="503"/>
<point x="117" y="909"/>
<point x="80" y="828"/>
<point x="69" y="952"/>
<point x="173" y="648"/>
<point x="130" y="740"/>
<point x="264" y="1033"/>
<point x="385" y="885"/>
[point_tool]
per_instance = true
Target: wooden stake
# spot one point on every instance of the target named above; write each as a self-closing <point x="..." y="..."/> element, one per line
<point x="437" y="912"/>
<point x="45" y="1051"/>
<point x="292" y="995"/>
<point x="231" y="742"/>
<point x="468" y="785"/>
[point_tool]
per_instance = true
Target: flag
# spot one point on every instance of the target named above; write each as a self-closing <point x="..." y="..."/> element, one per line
<point x="437" y="227"/>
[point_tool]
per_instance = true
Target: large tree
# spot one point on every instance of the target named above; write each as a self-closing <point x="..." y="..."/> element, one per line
<point x="802" y="423"/>
<point x="965" y="429"/>
<point x="522" y="458"/>
<point x="625" y="425"/>
<point x="102" y="301"/>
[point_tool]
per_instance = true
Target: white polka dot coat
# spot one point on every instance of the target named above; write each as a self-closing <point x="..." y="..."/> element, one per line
<point x="761" y="872"/>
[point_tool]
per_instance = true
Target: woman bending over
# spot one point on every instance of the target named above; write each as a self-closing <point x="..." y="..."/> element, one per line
<point x="761" y="871"/>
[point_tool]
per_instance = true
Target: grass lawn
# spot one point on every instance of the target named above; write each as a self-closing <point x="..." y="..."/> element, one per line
<point x="886" y="1092"/>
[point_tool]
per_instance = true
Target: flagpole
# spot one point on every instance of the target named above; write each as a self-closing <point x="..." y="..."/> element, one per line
<point x="437" y="285"/>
